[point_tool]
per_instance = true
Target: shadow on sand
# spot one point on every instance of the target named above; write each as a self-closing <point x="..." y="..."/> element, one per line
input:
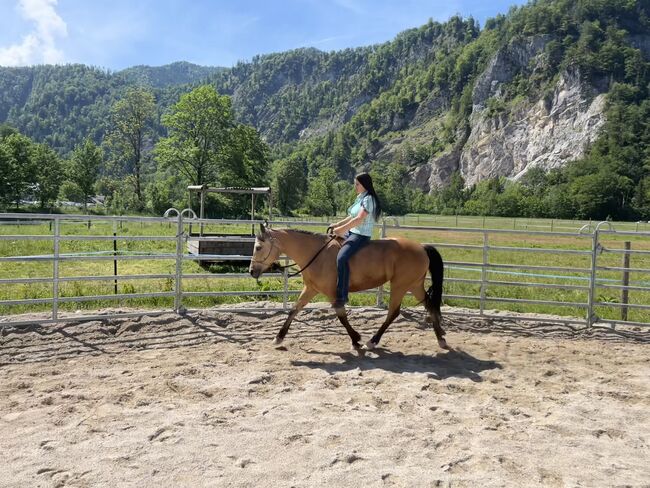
<point x="449" y="364"/>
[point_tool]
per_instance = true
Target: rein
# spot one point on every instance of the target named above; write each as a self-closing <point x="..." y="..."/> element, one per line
<point x="291" y="275"/>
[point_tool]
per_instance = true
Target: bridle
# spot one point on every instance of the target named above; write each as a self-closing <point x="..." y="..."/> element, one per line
<point x="263" y="261"/>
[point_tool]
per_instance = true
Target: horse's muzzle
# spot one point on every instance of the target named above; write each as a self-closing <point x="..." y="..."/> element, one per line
<point x="255" y="271"/>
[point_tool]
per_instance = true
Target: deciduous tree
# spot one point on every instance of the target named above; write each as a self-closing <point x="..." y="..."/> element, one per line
<point x="83" y="168"/>
<point x="131" y="132"/>
<point x="200" y="127"/>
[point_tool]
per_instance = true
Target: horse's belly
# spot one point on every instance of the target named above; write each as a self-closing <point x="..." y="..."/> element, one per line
<point x="365" y="284"/>
<point x="367" y="274"/>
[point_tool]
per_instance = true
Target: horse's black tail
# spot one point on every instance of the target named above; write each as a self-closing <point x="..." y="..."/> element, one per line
<point x="433" y="297"/>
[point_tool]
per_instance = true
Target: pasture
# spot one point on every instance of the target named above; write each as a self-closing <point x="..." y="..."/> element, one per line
<point x="205" y="400"/>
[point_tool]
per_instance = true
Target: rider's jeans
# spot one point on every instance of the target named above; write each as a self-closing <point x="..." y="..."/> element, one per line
<point x="353" y="242"/>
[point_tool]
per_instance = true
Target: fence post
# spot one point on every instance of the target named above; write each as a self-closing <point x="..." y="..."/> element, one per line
<point x="178" y="298"/>
<point x="626" y="280"/>
<point x="484" y="272"/>
<point x="380" y="290"/>
<point x="55" y="270"/>
<point x="595" y="247"/>
<point x="115" y="256"/>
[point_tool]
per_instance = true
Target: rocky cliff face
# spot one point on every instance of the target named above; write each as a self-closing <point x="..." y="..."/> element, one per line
<point x="515" y="137"/>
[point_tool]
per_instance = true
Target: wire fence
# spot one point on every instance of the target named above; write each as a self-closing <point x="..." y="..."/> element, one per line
<point x="594" y="275"/>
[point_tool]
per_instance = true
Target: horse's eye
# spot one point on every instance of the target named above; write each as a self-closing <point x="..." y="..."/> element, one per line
<point x="258" y="248"/>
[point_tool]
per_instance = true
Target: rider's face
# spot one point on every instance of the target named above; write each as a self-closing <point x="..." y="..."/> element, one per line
<point x="358" y="186"/>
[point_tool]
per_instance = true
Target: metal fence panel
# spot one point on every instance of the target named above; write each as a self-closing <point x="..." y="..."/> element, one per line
<point x="483" y="265"/>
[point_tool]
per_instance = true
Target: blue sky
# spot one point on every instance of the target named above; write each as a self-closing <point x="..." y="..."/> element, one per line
<point x="117" y="34"/>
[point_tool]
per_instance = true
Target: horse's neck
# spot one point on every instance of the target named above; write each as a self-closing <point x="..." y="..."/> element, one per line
<point x="298" y="246"/>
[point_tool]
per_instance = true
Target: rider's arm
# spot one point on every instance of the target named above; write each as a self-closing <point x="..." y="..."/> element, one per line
<point x="342" y="222"/>
<point x="339" y="230"/>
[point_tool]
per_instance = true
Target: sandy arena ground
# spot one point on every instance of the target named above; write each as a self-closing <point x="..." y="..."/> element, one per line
<point x="206" y="400"/>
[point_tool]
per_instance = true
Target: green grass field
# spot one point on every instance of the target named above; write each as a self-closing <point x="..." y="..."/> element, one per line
<point x="520" y="280"/>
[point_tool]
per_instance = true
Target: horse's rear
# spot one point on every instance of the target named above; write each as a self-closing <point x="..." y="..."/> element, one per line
<point x="404" y="263"/>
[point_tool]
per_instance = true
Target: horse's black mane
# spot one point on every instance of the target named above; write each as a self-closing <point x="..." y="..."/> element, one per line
<point x="261" y="236"/>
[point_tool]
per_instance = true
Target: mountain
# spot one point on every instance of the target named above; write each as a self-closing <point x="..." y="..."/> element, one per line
<point x="531" y="89"/>
<point x="179" y="73"/>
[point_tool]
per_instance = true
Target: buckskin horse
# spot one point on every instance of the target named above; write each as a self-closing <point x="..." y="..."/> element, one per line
<point x="402" y="262"/>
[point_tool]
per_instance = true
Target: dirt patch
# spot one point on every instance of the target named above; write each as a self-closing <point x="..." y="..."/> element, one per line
<point x="206" y="400"/>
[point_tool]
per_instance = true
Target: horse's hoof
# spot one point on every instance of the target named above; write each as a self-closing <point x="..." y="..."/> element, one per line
<point x="277" y="341"/>
<point x="443" y="344"/>
<point x="369" y="346"/>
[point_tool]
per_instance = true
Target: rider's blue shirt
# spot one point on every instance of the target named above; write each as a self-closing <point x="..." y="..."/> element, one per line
<point x="364" y="200"/>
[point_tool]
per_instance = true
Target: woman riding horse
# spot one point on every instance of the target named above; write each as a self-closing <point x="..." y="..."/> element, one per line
<point x="402" y="262"/>
<point x="356" y="229"/>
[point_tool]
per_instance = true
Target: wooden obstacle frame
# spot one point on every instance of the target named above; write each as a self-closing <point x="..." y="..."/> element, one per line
<point x="220" y="244"/>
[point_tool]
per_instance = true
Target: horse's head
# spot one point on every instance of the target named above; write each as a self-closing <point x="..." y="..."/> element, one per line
<point x="265" y="252"/>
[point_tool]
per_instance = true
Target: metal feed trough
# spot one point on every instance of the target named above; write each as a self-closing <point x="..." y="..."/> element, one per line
<point x="220" y="244"/>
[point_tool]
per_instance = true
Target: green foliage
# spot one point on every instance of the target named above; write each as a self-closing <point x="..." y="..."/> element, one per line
<point x="83" y="168"/>
<point x="49" y="174"/>
<point x="452" y="198"/>
<point x="6" y="166"/>
<point x="131" y="134"/>
<point x="122" y="199"/>
<point x="199" y="126"/>
<point x="391" y="189"/>
<point x="70" y="191"/>
<point x="246" y="162"/>
<point x="289" y="183"/>
<point x="321" y="197"/>
<point x="18" y="168"/>
<point x="165" y="192"/>
<point x="179" y="73"/>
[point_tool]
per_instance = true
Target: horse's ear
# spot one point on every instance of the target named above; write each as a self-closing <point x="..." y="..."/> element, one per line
<point x="263" y="227"/>
<point x="261" y="233"/>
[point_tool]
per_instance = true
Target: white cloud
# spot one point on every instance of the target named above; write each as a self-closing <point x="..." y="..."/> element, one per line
<point x="39" y="46"/>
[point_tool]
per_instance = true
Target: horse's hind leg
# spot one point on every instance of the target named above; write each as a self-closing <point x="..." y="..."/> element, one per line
<point x="393" y="311"/>
<point x="434" y="316"/>
<point x="354" y="335"/>
<point x="305" y="296"/>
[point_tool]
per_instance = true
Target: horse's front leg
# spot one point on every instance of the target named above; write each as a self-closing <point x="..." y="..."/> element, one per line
<point x="305" y="296"/>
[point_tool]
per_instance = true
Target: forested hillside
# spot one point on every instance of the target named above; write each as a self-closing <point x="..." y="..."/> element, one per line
<point x="553" y="96"/>
<point x="179" y="73"/>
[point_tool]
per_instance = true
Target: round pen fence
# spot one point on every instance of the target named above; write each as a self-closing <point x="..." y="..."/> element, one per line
<point x="593" y="275"/>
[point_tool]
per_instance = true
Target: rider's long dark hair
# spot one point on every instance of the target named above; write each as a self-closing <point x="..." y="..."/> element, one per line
<point x="366" y="182"/>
